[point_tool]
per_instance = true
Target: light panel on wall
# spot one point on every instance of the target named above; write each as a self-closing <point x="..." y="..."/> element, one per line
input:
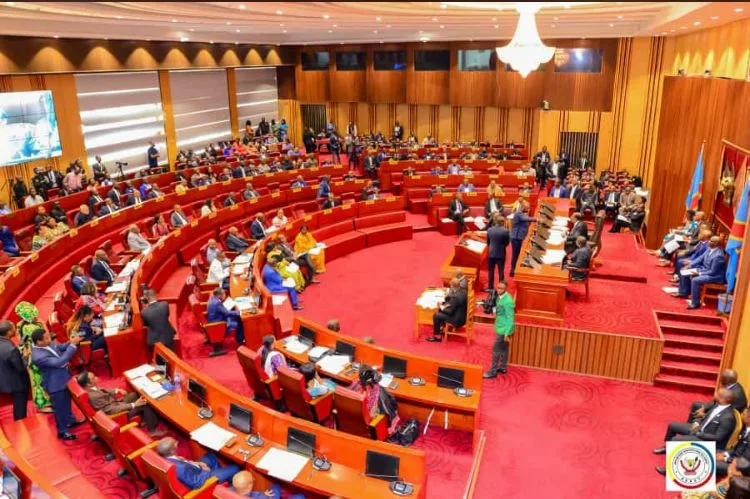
<point x="200" y="101"/>
<point x="257" y="95"/>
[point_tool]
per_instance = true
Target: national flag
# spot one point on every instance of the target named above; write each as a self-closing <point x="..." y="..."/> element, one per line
<point x="696" y="187"/>
<point x="737" y="236"/>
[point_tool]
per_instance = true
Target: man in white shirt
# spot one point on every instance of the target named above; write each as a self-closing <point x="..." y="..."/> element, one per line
<point x="218" y="271"/>
<point x="136" y="242"/>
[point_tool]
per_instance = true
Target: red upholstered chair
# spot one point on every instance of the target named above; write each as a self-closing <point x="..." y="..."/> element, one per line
<point x="80" y="398"/>
<point x="86" y="265"/>
<point x="164" y="475"/>
<point x="64" y="311"/>
<point x="127" y="442"/>
<point x="116" y="259"/>
<point x="263" y="386"/>
<point x="200" y="275"/>
<point x="57" y="328"/>
<point x="85" y="358"/>
<point x="70" y="295"/>
<point x="214" y="331"/>
<point x="352" y="416"/>
<point x="299" y="401"/>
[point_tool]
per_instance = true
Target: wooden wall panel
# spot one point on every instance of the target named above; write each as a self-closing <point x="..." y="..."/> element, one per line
<point x="693" y="109"/>
<point x="312" y="86"/>
<point x="444" y="131"/>
<point x="471" y="88"/>
<point x="363" y="117"/>
<point x="347" y="86"/>
<point x="725" y="50"/>
<point x="385" y="86"/>
<point x="426" y="87"/>
<point x="597" y="354"/>
<point x="402" y="116"/>
<point x="467" y="131"/>
<point x="515" y="91"/>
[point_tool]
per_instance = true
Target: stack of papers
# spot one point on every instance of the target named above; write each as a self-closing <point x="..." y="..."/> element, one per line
<point x="431" y="298"/>
<point x="289" y="282"/>
<point x="560" y="219"/>
<point x="295" y="346"/>
<point x="245" y="303"/>
<point x="475" y="246"/>
<point x="229" y="303"/>
<point x="278" y="299"/>
<point x="555" y="238"/>
<point x="385" y="380"/>
<point x="113" y="320"/>
<point x="240" y="269"/>
<point x="333" y="364"/>
<point x="689" y="272"/>
<point x="282" y="464"/>
<point x="242" y="259"/>
<point x="292" y="267"/>
<point x="559" y="223"/>
<point x="117" y="287"/>
<point x="110" y="331"/>
<point x="152" y="389"/>
<point x="212" y="436"/>
<point x="130" y="268"/>
<point x="140" y="371"/>
<point x="552" y="257"/>
<point x="317" y="351"/>
<point x="315" y="251"/>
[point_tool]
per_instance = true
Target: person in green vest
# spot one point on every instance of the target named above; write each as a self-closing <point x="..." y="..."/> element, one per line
<point x="504" y="323"/>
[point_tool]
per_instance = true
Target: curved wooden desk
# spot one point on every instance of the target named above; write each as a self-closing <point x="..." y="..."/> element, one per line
<point x="346" y="452"/>
<point x="414" y="401"/>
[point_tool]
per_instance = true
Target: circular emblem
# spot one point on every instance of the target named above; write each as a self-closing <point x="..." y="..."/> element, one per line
<point x="690" y="465"/>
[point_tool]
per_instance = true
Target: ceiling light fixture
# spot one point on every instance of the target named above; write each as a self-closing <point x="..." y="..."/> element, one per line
<point x="434" y="19"/>
<point x="619" y="17"/>
<point x="387" y="25"/>
<point x="242" y="6"/>
<point x="283" y="31"/>
<point x="442" y="26"/>
<point x="611" y="25"/>
<point x="229" y="23"/>
<point x="174" y="20"/>
<point x="57" y="36"/>
<point x="211" y="41"/>
<point x="330" y="31"/>
<point x="279" y="12"/>
<point x="525" y="52"/>
<point x="555" y="18"/>
<point x="553" y="26"/>
<point x="443" y="6"/>
<point x="119" y="17"/>
<point x="714" y="18"/>
<point x="236" y="31"/>
<point x="697" y="23"/>
<point x="494" y="18"/>
<point x="683" y="27"/>
<point x="326" y="16"/>
<point x="184" y="39"/>
<point x="497" y="26"/>
<point x="738" y="9"/>
<point x="378" y="19"/>
<point x="335" y="25"/>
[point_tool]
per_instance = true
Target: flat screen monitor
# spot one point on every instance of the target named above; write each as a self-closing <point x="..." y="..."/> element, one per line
<point x="351" y="61"/>
<point x="28" y="127"/>
<point x="11" y="484"/>
<point x="315" y="61"/>
<point x="161" y="361"/>
<point x="389" y="60"/>
<point x="382" y="466"/>
<point x="394" y="366"/>
<point x="450" y="378"/>
<point x="432" y="60"/>
<point x="578" y="60"/>
<point x="476" y="60"/>
<point x="240" y="418"/>
<point x="196" y="393"/>
<point x="300" y="442"/>
<point x="306" y="334"/>
<point x="344" y="348"/>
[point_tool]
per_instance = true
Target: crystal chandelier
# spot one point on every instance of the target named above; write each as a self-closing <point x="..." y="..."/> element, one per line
<point x="525" y="52"/>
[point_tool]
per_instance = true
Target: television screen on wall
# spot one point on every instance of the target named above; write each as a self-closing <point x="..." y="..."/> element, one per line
<point x="351" y="61"/>
<point x="313" y="61"/>
<point x="476" y="60"/>
<point x="389" y="60"/>
<point x="432" y="60"/>
<point x="28" y="127"/>
<point x="578" y="60"/>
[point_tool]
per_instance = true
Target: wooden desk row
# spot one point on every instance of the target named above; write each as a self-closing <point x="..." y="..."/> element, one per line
<point x="346" y="452"/>
<point x="477" y="179"/>
<point x="472" y="199"/>
<point x="413" y="401"/>
<point x="53" y="261"/>
<point x="540" y="293"/>
<point x="425" y="165"/>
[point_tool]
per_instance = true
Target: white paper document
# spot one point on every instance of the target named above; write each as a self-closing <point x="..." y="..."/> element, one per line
<point x="431" y="298"/>
<point x="289" y="282"/>
<point x="292" y="267"/>
<point x="243" y="258"/>
<point x="317" y="351"/>
<point x="278" y="299"/>
<point x="689" y="272"/>
<point x="333" y="364"/>
<point x="670" y="289"/>
<point x="282" y="464"/>
<point x="240" y="269"/>
<point x="552" y="257"/>
<point x="245" y="303"/>
<point x="475" y="246"/>
<point x="555" y="238"/>
<point x="150" y="388"/>
<point x="113" y="320"/>
<point x="385" y="380"/>
<point x="117" y="287"/>
<point x="212" y="436"/>
<point x="672" y="246"/>
<point x="315" y="251"/>
<point x="296" y="346"/>
<point x="140" y="371"/>
<point x="110" y="331"/>
<point x="229" y="303"/>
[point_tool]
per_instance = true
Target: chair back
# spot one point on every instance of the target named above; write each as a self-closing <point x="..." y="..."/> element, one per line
<point x="64" y="312"/>
<point x="124" y="238"/>
<point x="295" y="393"/>
<point x="197" y="271"/>
<point x="250" y="362"/>
<point x="351" y="412"/>
<point x="735" y="436"/>
<point x="106" y="246"/>
<point x="198" y="310"/>
<point x="105" y="428"/>
<point x="81" y="399"/>
<point x="70" y="295"/>
<point x="163" y="472"/>
<point x="86" y="264"/>
<point x="57" y="327"/>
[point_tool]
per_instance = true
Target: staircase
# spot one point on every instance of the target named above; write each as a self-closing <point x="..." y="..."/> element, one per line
<point x="693" y="345"/>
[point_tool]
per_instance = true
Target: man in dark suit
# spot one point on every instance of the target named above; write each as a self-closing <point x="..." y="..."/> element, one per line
<point x="740" y="449"/>
<point x="716" y="426"/>
<point x="100" y="268"/>
<point x="710" y="267"/>
<point x="457" y="211"/>
<point x="331" y="202"/>
<point x="114" y="195"/>
<point x="155" y="317"/>
<point x="107" y="208"/>
<point x="134" y="198"/>
<point x="728" y="380"/>
<point x="83" y="216"/>
<point x="178" y="218"/>
<point x="14" y="378"/>
<point x="52" y="360"/>
<point x="578" y="262"/>
<point x="239" y="171"/>
<point x="371" y="166"/>
<point x="249" y="192"/>
<point x="258" y="228"/>
<point x="587" y="199"/>
<point x="498" y="239"/>
<point x="493" y="205"/>
<point x="518" y="231"/>
<point x="230" y="201"/>
<point x="234" y="242"/>
<point x="452" y="311"/>
<point x="193" y="474"/>
<point x="55" y="177"/>
<point x="578" y="229"/>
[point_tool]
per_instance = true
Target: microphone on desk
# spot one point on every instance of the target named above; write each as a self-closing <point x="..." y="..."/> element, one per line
<point x="319" y="463"/>
<point x="398" y="486"/>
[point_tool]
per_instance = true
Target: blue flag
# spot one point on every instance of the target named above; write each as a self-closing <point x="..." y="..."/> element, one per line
<point x="737" y="236"/>
<point x="693" y="199"/>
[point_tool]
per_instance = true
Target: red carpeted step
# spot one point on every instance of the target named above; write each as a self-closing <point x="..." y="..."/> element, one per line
<point x="675" y="339"/>
<point x="702" y="330"/>
<point x="691" y="353"/>
<point x="692" y="318"/>
<point x="688" y="368"/>
<point x="685" y="382"/>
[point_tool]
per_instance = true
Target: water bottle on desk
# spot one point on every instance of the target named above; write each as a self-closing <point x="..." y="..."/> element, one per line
<point x="177" y="379"/>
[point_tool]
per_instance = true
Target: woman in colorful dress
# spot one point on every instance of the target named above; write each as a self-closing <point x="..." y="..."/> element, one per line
<point x="304" y="242"/>
<point x="28" y="324"/>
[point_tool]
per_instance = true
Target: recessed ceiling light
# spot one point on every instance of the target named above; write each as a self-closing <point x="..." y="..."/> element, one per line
<point x="174" y="20"/>
<point x="387" y="25"/>
<point x="497" y="26"/>
<point x="211" y="41"/>
<point x="236" y="43"/>
<point x="714" y="18"/>
<point x="494" y="18"/>
<point x="326" y="16"/>
<point x="119" y="17"/>
<point x="57" y="36"/>
<point x="420" y="31"/>
<point x="236" y="31"/>
<point x="279" y="12"/>
<point x="553" y="26"/>
<point x="148" y="39"/>
<point x="683" y="27"/>
<point x="619" y="17"/>
<point x="611" y="25"/>
<point x="697" y="23"/>
<point x="242" y="6"/>
<point x="330" y="31"/>
<point x="378" y="18"/>
<point x="10" y="4"/>
<point x="341" y="43"/>
<point x="423" y="40"/>
<point x="375" y="31"/>
<point x="443" y="6"/>
<point x="566" y="5"/>
<point x="229" y="23"/>
<point x="663" y="33"/>
<point x="738" y="9"/>
<point x="184" y="39"/>
<point x="442" y="26"/>
<point x="335" y="25"/>
<point x="281" y="24"/>
<point x="191" y="29"/>
<point x="434" y="19"/>
<point x="381" y="41"/>
<point x="672" y="30"/>
<point x="555" y="18"/>
<point x="283" y="31"/>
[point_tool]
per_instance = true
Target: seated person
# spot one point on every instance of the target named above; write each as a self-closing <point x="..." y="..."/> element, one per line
<point x="211" y="249"/>
<point x="83" y="216"/>
<point x="557" y="190"/>
<point x="77" y="278"/>
<point x="217" y="312"/>
<point x="452" y="311"/>
<point x="208" y="207"/>
<point x="270" y="358"/>
<point x="159" y="227"/>
<point x="258" y="228"/>
<point x="275" y="283"/>
<point x="377" y="402"/>
<point x="716" y="426"/>
<point x="588" y="199"/>
<point x="136" y="241"/>
<point x="316" y="386"/>
<point x="684" y="257"/>
<point x="235" y="242"/>
<point x="579" y="261"/>
<point x="178" y="217"/>
<point x="108" y="208"/>
<point x="117" y="400"/>
<point x="437" y="189"/>
<point x="193" y="474"/>
<point x="579" y="228"/>
<point x="88" y="296"/>
<point x="677" y="238"/>
<point x="610" y="200"/>
<point x="303" y="243"/>
<point x="298" y="183"/>
<point x="134" y="198"/>
<point x="286" y="267"/>
<point x="81" y="324"/>
<point x="741" y="449"/>
<point x="41" y="237"/>
<point x="633" y="221"/>
<point x="466" y="186"/>
<point x="710" y="267"/>
<point x="302" y="260"/>
<point x="457" y="211"/>
<point x="728" y="380"/>
<point x="230" y="201"/>
<point x="453" y="169"/>
<point x="101" y="269"/>
<point x="218" y="271"/>
<point x="331" y="202"/>
<point x="493" y="205"/>
<point x="280" y="220"/>
<point x="182" y="186"/>
<point x="243" y="483"/>
<point x="58" y="213"/>
<point x="8" y="241"/>
<point x="249" y="192"/>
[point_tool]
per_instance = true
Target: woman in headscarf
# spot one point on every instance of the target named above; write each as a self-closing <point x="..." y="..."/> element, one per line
<point x="28" y="324"/>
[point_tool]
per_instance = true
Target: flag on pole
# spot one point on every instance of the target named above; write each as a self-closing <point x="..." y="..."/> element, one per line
<point x="696" y="187"/>
<point x="736" y="236"/>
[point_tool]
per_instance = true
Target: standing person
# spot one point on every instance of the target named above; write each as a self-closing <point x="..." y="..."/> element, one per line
<point x="498" y="238"/>
<point x="14" y="379"/>
<point x="519" y="230"/>
<point x="155" y="317"/>
<point x="153" y="155"/>
<point x="504" y="324"/>
<point x="52" y="359"/>
<point x="26" y="326"/>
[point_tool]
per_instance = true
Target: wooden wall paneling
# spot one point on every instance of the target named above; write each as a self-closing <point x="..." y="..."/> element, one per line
<point x="401" y="114"/>
<point x="661" y="48"/>
<point x="471" y="88"/>
<point x="347" y="86"/>
<point x="413" y="119"/>
<point x="381" y="118"/>
<point x="312" y="86"/>
<point x="444" y="122"/>
<point x="515" y="91"/>
<point x="165" y="88"/>
<point x="285" y="81"/>
<point x="232" y="101"/>
<point x="479" y="123"/>
<point x="466" y="123"/>
<point x="619" y="100"/>
<point x="290" y="109"/>
<point x="372" y="114"/>
<point x="516" y="125"/>
<point x="583" y="91"/>
<point x="455" y="123"/>
<point x="363" y="117"/>
<point x="426" y="87"/>
<point x="725" y="50"/>
<point x="385" y="86"/>
<point x="491" y="124"/>
<point x="424" y="125"/>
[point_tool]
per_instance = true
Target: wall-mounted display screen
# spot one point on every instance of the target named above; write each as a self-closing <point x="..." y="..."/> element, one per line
<point x="314" y="61"/>
<point x="578" y="60"/>
<point x="432" y="60"/>
<point x="391" y="60"/>
<point x="28" y="127"/>
<point x="351" y="61"/>
<point x="476" y="60"/>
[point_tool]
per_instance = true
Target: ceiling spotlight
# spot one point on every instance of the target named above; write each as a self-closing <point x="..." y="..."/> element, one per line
<point x="387" y="25"/>
<point x="553" y="26"/>
<point x="494" y="18"/>
<point x="697" y="23"/>
<point x="211" y="41"/>
<point x="326" y="16"/>
<point x="191" y="29"/>
<point x="229" y="23"/>
<point x="378" y="18"/>
<point x="242" y="6"/>
<point x="335" y="25"/>
<point x="236" y="43"/>
<point x="714" y="18"/>
<point x="555" y="18"/>
<point x="375" y="31"/>
<point x="283" y="31"/>
<point x="174" y="20"/>
<point x="330" y="31"/>
<point x="619" y="17"/>
<point x="381" y="41"/>
<point x="611" y="25"/>
<point x="672" y="30"/>
<point x="738" y="9"/>
<point x="497" y="26"/>
<point x="57" y="36"/>
<point x="663" y="33"/>
<point x="434" y="19"/>
<point x="279" y="12"/>
<point x="10" y="4"/>
<point x="683" y="27"/>
<point x="119" y="17"/>
<point x="281" y="24"/>
<point x="443" y="6"/>
<point x="184" y="39"/>
<point x="423" y="39"/>
<point x="566" y="5"/>
<point x="420" y="31"/>
<point x="236" y="31"/>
